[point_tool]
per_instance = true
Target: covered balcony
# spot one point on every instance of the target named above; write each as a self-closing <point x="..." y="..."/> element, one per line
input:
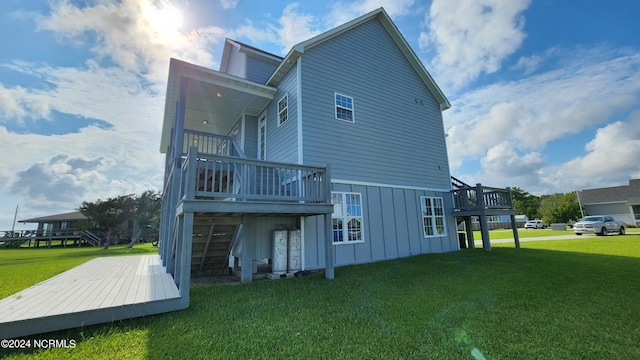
<point x="213" y="191"/>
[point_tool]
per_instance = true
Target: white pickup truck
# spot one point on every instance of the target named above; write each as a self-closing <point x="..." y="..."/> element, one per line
<point x="599" y="225"/>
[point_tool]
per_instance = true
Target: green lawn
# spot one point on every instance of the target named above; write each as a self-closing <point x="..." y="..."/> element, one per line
<point x="526" y="233"/>
<point x="560" y="299"/>
<point x="23" y="267"/>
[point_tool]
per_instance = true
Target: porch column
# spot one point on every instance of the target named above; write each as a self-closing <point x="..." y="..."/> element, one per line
<point x="484" y="224"/>
<point x="185" y="264"/>
<point x="248" y="248"/>
<point x="484" y="229"/>
<point x="514" y="226"/>
<point x="469" y="229"/>
<point x="328" y="247"/>
<point x="328" y="228"/>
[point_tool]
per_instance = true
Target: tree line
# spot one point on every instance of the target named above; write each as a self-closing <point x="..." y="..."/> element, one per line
<point x="113" y="216"/>
<point x="555" y="208"/>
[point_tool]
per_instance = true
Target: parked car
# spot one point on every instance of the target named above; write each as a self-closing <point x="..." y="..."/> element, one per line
<point x="599" y="225"/>
<point x="534" y="224"/>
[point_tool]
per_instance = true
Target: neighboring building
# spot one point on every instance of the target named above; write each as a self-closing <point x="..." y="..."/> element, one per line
<point x="621" y="202"/>
<point x="342" y="139"/>
<point x="59" y="227"/>
<point x="56" y="222"/>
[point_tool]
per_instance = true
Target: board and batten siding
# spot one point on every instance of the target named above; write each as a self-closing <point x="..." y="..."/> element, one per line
<point x="259" y="70"/>
<point x="392" y="228"/>
<point x="251" y="136"/>
<point x="282" y="141"/>
<point x="261" y="230"/>
<point x="398" y="135"/>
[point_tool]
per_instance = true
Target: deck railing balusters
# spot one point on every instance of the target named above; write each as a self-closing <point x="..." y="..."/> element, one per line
<point x="258" y="180"/>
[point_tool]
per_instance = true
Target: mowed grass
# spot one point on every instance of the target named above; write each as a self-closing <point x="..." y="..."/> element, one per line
<point x="527" y="233"/>
<point x="560" y="299"/>
<point x="23" y="267"/>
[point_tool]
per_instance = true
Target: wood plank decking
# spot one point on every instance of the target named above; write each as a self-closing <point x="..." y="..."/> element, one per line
<point x="101" y="290"/>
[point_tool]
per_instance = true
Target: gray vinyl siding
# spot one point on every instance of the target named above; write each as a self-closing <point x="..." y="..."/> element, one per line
<point x="392" y="228"/>
<point x="395" y="139"/>
<point x="282" y="141"/>
<point x="258" y="70"/>
<point x="251" y="136"/>
<point x="237" y="61"/>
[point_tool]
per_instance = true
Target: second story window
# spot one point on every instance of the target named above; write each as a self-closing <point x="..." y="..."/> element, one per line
<point x="344" y="108"/>
<point x="283" y="110"/>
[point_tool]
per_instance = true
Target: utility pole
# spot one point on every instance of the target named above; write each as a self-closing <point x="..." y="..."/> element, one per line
<point x="14" y="219"/>
<point x="579" y="203"/>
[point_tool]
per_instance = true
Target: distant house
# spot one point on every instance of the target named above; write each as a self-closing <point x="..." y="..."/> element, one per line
<point x="621" y="202"/>
<point x="342" y="139"/>
<point x="59" y="227"/>
<point x="56" y="222"/>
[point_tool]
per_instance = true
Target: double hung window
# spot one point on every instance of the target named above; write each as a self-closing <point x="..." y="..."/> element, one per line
<point x="344" y="107"/>
<point x="433" y="223"/>
<point x="347" y="217"/>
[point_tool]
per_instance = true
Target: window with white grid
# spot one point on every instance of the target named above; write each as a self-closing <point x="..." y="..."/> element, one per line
<point x="433" y="222"/>
<point x="344" y="107"/>
<point x="347" y="217"/>
<point x="283" y="110"/>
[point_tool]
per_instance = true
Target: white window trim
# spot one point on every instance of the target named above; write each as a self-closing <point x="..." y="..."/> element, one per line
<point x="433" y="217"/>
<point x="336" y="106"/>
<point x="280" y="111"/>
<point x="344" y="218"/>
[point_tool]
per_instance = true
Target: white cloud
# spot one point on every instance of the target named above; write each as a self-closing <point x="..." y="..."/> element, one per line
<point x="343" y="12"/>
<point x="136" y="35"/>
<point x="295" y="27"/>
<point x="470" y="37"/>
<point x="502" y="161"/>
<point x="19" y="103"/>
<point x="529" y="63"/>
<point x="535" y="110"/>
<point x="611" y="158"/>
<point x="229" y="4"/>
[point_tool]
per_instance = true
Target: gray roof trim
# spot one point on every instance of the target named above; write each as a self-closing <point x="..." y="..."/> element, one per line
<point x="384" y="18"/>
<point x="70" y="216"/>
<point x="615" y="194"/>
<point x="248" y="50"/>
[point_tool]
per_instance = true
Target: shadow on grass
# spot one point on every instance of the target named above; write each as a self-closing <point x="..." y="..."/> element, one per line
<point x="527" y="303"/>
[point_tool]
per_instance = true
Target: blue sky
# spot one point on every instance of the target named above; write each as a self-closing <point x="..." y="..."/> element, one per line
<point x="545" y="94"/>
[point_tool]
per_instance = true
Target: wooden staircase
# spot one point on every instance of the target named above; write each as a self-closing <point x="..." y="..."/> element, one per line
<point x="213" y="239"/>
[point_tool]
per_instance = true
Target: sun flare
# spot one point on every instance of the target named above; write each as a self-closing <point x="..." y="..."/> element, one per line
<point x="165" y="19"/>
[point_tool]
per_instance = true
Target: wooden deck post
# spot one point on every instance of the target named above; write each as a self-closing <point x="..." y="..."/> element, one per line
<point x="328" y="247"/>
<point x="469" y="229"/>
<point x="328" y="229"/>
<point x="177" y="261"/>
<point x="185" y="264"/>
<point x="514" y="226"/>
<point x="484" y="225"/>
<point x="248" y="248"/>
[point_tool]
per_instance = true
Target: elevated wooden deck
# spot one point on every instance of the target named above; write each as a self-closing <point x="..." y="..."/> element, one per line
<point x="101" y="290"/>
<point x="482" y="201"/>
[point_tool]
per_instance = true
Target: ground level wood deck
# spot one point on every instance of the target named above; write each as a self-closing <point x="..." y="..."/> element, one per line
<point x="101" y="290"/>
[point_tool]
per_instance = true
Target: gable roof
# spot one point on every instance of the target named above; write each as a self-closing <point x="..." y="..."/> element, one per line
<point x="70" y="216"/>
<point x="627" y="193"/>
<point x="248" y="50"/>
<point x="400" y="41"/>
